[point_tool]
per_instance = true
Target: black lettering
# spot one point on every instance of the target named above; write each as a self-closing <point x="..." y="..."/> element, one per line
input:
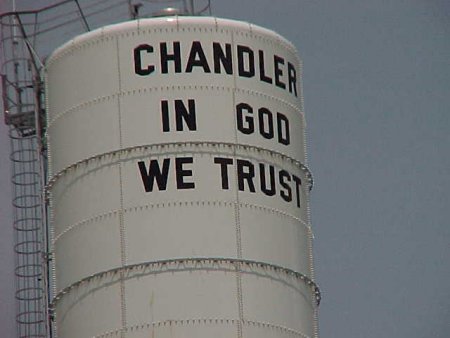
<point x="292" y="75"/>
<point x="221" y="58"/>
<point x="197" y="58"/>
<point x="262" y="112"/>
<point x="262" y="175"/>
<point x="138" y="69"/>
<point x="166" y="57"/>
<point x="262" y="74"/>
<point x="224" y="163"/>
<point x="244" y="53"/>
<point x="286" y="194"/>
<point x="283" y="129"/>
<point x="298" y="183"/>
<point x="182" y="173"/>
<point x="278" y="71"/>
<point x="245" y="175"/>
<point x="154" y="172"/>
<point x="249" y="127"/>
<point x="188" y="115"/>
<point x="165" y="115"/>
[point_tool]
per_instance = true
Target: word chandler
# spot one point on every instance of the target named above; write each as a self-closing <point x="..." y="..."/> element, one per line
<point x="217" y="58"/>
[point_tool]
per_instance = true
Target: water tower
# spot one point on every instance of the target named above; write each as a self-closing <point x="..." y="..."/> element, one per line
<point x="178" y="190"/>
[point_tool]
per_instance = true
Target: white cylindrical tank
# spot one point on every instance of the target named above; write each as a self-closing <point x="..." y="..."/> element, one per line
<point x="177" y="183"/>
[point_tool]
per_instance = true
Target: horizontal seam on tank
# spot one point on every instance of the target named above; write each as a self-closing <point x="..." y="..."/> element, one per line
<point x="113" y="96"/>
<point x="165" y="266"/>
<point x="179" y="204"/>
<point x="73" y="45"/>
<point x="300" y="165"/>
<point x="194" y="321"/>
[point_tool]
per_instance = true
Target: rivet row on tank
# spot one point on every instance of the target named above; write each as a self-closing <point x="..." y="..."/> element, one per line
<point x="193" y="260"/>
<point x="195" y="321"/>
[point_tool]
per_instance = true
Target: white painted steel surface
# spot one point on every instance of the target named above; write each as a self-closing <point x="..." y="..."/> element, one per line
<point x="239" y="247"/>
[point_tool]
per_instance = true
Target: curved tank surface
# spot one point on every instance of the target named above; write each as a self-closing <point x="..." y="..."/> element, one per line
<point x="178" y="184"/>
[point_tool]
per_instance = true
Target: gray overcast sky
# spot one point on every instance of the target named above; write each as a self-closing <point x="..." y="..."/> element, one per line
<point x="377" y="100"/>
